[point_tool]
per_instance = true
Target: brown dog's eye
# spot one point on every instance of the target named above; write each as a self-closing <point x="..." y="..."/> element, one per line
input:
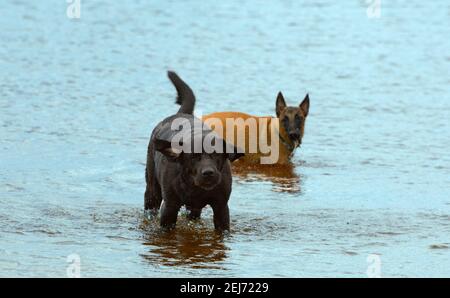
<point x="298" y="121"/>
<point x="285" y="121"/>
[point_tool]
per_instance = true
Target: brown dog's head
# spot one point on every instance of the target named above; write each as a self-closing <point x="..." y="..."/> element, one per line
<point x="203" y="169"/>
<point x="292" y="119"/>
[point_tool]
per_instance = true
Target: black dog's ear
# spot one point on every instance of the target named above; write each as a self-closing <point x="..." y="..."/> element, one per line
<point x="165" y="147"/>
<point x="280" y="104"/>
<point x="235" y="156"/>
<point x="231" y="152"/>
<point x="304" y="106"/>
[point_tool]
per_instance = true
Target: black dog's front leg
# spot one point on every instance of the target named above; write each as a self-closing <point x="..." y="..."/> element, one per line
<point x="221" y="216"/>
<point x="169" y="214"/>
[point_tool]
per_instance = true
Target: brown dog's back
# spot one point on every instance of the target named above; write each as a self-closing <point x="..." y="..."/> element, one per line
<point x="241" y="126"/>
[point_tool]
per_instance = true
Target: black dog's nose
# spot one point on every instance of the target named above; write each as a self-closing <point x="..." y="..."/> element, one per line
<point x="207" y="173"/>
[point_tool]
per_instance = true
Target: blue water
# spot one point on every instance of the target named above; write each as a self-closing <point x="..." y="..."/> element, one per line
<point x="79" y="98"/>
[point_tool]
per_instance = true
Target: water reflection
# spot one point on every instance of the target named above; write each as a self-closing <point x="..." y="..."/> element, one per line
<point x="193" y="244"/>
<point x="282" y="177"/>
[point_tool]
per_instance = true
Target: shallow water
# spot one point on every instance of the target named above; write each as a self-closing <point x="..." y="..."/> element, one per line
<point x="78" y="100"/>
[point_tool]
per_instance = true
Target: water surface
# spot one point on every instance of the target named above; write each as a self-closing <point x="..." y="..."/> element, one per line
<point x="79" y="98"/>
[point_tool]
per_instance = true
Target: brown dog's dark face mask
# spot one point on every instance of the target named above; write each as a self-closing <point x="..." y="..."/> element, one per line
<point x="292" y="119"/>
<point x="204" y="169"/>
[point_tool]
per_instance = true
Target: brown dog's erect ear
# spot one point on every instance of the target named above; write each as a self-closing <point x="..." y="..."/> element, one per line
<point x="281" y="104"/>
<point x="304" y="106"/>
<point x="165" y="147"/>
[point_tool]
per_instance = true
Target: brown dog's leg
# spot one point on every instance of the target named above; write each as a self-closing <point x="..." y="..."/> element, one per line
<point x="221" y="216"/>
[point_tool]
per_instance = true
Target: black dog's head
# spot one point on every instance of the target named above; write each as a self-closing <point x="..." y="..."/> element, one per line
<point x="203" y="168"/>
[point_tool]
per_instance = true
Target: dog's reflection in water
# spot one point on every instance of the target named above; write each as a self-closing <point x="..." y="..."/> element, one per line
<point x="282" y="177"/>
<point x="194" y="243"/>
<point x="191" y="243"/>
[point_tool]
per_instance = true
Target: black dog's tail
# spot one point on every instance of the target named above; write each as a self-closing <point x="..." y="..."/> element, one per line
<point x="186" y="97"/>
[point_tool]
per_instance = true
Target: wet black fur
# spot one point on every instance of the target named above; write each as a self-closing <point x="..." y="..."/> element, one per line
<point x="168" y="185"/>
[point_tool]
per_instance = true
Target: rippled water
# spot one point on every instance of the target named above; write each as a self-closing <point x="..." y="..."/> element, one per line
<point x="79" y="98"/>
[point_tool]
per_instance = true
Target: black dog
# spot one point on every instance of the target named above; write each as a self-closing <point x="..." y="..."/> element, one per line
<point x="188" y="177"/>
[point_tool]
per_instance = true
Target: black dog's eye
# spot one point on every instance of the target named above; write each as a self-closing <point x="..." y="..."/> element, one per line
<point x="217" y="155"/>
<point x="219" y="158"/>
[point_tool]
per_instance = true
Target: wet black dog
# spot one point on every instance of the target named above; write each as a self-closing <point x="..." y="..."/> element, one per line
<point x="186" y="174"/>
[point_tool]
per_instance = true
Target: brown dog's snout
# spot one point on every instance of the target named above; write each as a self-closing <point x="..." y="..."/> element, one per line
<point x="294" y="135"/>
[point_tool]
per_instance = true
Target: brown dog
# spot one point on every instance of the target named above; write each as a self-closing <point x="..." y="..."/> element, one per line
<point x="291" y="123"/>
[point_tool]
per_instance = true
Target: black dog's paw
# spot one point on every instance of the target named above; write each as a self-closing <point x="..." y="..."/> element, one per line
<point x="167" y="228"/>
